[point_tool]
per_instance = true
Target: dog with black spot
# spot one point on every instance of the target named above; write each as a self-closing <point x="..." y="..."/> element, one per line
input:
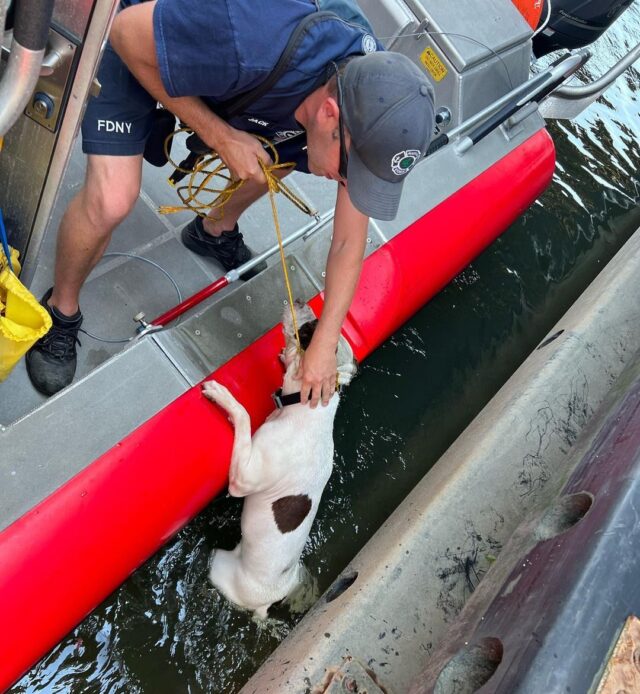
<point x="281" y="472"/>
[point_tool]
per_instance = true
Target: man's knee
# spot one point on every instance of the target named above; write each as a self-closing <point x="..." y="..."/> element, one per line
<point x="110" y="194"/>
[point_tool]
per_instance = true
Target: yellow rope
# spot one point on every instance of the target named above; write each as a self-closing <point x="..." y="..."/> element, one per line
<point x="190" y="196"/>
<point x="201" y="175"/>
<point x="274" y="184"/>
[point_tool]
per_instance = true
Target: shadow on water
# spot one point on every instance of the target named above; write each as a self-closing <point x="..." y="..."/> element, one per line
<point x="166" y="629"/>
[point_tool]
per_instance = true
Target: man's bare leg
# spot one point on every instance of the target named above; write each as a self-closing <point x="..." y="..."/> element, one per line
<point x="110" y="191"/>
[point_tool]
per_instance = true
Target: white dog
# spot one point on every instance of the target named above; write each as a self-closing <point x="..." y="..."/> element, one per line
<point x="281" y="472"/>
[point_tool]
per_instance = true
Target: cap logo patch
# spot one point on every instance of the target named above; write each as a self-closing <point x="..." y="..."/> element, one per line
<point x="404" y="161"/>
<point x="369" y="44"/>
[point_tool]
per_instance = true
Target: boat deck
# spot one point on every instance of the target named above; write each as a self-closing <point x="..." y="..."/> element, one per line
<point x="120" y="286"/>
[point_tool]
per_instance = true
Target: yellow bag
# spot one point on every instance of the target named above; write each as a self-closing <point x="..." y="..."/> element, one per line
<point x="22" y="319"/>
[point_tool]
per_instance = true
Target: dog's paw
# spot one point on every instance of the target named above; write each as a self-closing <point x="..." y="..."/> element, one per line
<point x="217" y="393"/>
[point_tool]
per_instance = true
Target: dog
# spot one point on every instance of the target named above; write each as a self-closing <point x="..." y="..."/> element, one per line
<point x="281" y="472"/>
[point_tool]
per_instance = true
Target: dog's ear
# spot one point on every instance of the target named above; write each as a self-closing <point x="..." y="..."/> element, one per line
<point x="305" y="331"/>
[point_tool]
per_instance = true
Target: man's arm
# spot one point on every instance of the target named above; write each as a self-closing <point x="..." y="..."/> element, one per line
<point x="344" y="263"/>
<point x="132" y="38"/>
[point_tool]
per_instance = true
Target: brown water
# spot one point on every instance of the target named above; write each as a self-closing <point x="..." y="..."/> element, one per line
<point x="166" y="629"/>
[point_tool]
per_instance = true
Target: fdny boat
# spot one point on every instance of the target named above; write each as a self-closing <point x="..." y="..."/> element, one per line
<point x="141" y="465"/>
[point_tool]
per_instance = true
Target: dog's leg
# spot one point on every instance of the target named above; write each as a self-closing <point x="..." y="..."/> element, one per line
<point x="260" y="613"/>
<point x="244" y="472"/>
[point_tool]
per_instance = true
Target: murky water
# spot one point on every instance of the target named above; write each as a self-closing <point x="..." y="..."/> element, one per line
<point x="166" y="630"/>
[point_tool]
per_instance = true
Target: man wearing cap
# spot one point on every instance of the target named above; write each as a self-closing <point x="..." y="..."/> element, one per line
<point x="342" y="109"/>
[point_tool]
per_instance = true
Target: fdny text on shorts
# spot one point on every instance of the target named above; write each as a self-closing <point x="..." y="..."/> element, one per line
<point x="114" y="126"/>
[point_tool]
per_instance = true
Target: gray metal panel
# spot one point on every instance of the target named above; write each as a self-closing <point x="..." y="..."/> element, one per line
<point x="488" y="81"/>
<point x="28" y="147"/>
<point x="468" y="31"/>
<point x="73" y="15"/>
<point x="483" y="60"/>
<point x="45" y="449"/>
<point x="312" y="255"/>
<point x="567" y="580"/>
<point x="23" y="169"/>
<point x="217" y="332"/>
<point x="389" y="19"/>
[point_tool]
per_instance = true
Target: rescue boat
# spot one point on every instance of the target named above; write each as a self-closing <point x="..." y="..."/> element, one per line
<point x="143" y="456"/>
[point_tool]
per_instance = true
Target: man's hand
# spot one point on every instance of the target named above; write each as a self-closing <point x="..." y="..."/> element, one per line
<point x="318" y="373"/>
<point x="240" y="152"/>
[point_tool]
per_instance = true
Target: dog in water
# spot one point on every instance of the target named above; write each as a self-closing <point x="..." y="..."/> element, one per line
<point x="281" y="472"/>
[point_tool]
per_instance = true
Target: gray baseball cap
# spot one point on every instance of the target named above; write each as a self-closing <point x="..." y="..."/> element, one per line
<point x="388" y="108"/>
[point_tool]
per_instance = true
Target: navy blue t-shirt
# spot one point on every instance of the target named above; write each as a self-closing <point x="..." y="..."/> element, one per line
<point x="219" y="49"/>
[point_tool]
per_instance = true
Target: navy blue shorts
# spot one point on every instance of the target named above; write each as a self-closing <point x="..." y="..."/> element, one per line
<point x="119" y="120"/>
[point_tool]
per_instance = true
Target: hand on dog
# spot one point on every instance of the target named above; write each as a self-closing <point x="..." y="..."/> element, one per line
<point x="318" y="374"/>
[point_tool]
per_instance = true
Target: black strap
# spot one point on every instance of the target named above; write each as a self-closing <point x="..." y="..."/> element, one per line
<point x="239" y="104"/>
<point x="292" y="399"/>
<point x="284" y="400"/>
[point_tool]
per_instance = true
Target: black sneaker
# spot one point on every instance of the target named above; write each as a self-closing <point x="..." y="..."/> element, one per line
<point x="229" y="249"/>
<point x="51" y="362"/>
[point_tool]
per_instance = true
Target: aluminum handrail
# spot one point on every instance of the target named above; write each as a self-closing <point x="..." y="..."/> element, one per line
<point x="580" y="92"/>
<point x="27" y="50"/>
<point x="520" y="95"/>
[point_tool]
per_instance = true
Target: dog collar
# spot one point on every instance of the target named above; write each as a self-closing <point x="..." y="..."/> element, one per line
<point x="281" y="400"/>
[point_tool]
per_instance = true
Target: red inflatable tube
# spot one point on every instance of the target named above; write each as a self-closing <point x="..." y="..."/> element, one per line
<point x="67" y="554"/>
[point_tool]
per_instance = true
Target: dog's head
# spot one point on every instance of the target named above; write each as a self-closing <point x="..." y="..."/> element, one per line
<point x="303" y="314"/>
<point x="307" y="323"/>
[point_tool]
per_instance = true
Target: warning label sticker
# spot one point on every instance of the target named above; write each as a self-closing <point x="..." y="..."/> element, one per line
<point x="434" y="65"/>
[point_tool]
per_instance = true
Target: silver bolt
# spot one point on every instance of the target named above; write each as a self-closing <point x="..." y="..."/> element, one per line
<point x="324" y="274"/>
<point x="41" y="108"/>
<point x="292" y="267"/>
<point x="239" y="334"/>
<point x="248" y="298"/>
<point x="197" y="332"/>
<point x="443" y="116"/>
<point x="369" y="240"/>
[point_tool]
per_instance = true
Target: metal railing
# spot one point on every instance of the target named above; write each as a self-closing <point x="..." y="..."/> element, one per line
<point x="27" y="51"/>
